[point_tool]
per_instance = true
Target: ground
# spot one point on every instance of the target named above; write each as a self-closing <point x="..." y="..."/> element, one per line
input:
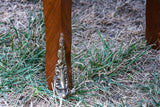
<point x="121" y="22"/>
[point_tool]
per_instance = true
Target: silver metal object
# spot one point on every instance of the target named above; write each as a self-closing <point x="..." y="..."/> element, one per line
<point x="61" y="80"/>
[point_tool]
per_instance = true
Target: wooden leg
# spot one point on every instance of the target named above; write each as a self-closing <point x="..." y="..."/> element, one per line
<point x="153" y="23"/>
<point x="67" y="30"/>
<point x="57" y="15"/>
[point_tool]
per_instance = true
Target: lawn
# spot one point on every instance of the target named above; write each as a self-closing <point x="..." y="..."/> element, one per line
<point x="111" y="64"/>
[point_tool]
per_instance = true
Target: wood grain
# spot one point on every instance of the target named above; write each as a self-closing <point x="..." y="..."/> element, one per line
<point x="57" y="15"/>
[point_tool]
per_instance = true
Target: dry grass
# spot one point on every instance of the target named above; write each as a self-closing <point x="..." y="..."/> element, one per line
<point x="111" y="64"/>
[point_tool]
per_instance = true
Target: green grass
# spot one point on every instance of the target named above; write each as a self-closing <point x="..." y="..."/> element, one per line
<point x="96" y="70"/>
<point x="22" y="58"/>
<point x="98" y="64"/>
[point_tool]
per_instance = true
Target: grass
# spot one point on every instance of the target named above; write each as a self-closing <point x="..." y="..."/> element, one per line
<point x="101" y="73"/>
<point x="22" y="57"/>
<point x="101" y="66"/>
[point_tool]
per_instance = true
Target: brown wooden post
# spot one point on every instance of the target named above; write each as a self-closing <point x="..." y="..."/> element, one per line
<point x="153" y="23"/>
<point x="57" y="15"/>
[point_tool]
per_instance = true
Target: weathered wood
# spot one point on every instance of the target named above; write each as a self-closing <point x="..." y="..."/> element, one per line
<point x="153" y="23"/>
<point x="57" y="15"/>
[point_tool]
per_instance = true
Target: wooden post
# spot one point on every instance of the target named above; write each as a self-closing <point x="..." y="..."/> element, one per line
<point x="57" y="15"/>
<point x="153" y="23"/>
